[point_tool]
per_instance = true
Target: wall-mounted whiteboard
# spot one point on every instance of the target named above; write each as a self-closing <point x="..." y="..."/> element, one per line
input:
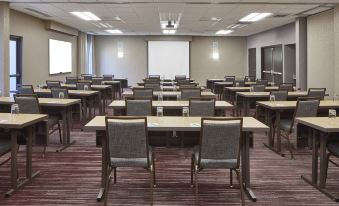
<point x="168" y="58"/>
<point x="60" y="57"/>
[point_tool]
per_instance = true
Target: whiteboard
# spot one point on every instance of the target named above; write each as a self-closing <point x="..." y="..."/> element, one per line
<point x="168" y="58"/>
<point x="60" y="57"/>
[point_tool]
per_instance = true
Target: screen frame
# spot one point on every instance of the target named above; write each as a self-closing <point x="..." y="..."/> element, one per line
<point x="49" y="60"/>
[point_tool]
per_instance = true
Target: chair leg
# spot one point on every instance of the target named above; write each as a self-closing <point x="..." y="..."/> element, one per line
<point x="114" y="175"/>
<point x="241" y="186"/>
<point x="327" y="160"/>
<point x="59" y="128"/>
<point x="290" y="146"/>
<point x="108" y="182"/>
<point x="192" y="168"/>
<point x="154" y="178"/>
<point x="231" y="178"/>
<point x="152" y="183"/>
<point x="196" y="183"/>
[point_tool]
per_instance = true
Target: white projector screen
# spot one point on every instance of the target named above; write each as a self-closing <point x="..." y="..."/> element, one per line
<point x="168" y="58"/>
<point x="60" y="57"/>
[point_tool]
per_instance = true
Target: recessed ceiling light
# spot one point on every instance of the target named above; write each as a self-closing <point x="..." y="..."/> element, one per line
<point x="224" y="32"/>
<point x="166" y="31"/>
<point x="236" y="26"/>
<point x="87" y="16"/>
<point x="255" y="17"/>
<point x="114" y="31"/>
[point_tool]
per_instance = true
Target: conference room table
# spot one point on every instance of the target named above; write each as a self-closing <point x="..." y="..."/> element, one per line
<point x="87" y="97"/>
<point x="167" y="88"/>
<point x="119" y="105"/>
<point x="25" y="124"/>
<point x="171" y="94"/>
<point x="274" y="109"/>
<point x="63" y="107"/>
<point x="229" y="93"/>
<point x="320" y="128"/>
<point x="251" y="97"/>
<point x="175" y="124"/>
<point x="168" y="83"/>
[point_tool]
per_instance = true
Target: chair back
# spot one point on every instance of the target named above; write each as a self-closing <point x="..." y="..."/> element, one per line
<point x="317" y="93"/>
<point x="127" y="138"/>
<point x="240" y="83"/>
<point x="188" y="93"/>
<point x="229" y="78"/>
<point x="183" y="82"/>
<point x="152" y="81"/>
<point x="57" y="91"/>
<point x="262" y="81"/>
<point x="306" y="107"/>
<point x="191" y="85"/>
<point x="249" y="79"/>
<point x="258" y="88"/>
<point x="143" y="93"/>
<point x="25" y="89"/>
<point x="52" y="83"/>
<point x="71" y="80"/>
<point x="108" y="77"/>
<point x="286" y="86"/>
<point x="87" y="77"/>
<point x="179" y="77"/>
<point x="28" y="103"/>
<point x="97" y="80"/>
<point x="83" y="85"/>
<point x="154" y="86"/>
<point x="220" y="139"/>
<point x="138" y="107"/>
<point x="155" y="77"/>
<point x="280" y="95"/>
<point x="201" y="108"/>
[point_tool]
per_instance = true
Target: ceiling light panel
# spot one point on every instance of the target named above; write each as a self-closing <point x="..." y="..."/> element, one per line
<point x="223" y="32"/>
<point x="253" y="17"/>
<point x="114" y="31"/>
<point x="87" y="16"/>
<point x="167" y="31"/>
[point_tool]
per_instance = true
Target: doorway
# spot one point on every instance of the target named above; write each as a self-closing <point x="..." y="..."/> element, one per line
<point x="290" y="64"/>
<point x="272" y="63"/>
<point x="15" y="63"/>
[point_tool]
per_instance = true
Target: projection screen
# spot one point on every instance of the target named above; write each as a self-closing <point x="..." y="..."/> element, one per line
<point x="168" y="58"/>
<point x="60" y="57"/>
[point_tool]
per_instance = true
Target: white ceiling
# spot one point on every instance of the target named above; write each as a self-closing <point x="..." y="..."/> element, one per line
<point x="142" y="17"/>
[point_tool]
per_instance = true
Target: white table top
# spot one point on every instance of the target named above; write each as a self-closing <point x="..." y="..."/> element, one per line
<point x="292" y="104"/>
<point x="19" y="121"/>
<point x="70" y="92"/>
<point x="267" y="94"/>
<point x="323" y="124"/>
<point x="45" y="101"/>
<point x="171" y="93"/>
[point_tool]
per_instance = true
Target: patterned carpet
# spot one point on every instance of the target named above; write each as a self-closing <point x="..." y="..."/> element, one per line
<point x="73" y="178"/>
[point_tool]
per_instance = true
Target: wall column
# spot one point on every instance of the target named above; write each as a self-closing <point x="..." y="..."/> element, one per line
<point x="82" y="55"/>
<point x="301" y="52"/>
<point x="4" y="47"/>
<point x="336" y="50"/>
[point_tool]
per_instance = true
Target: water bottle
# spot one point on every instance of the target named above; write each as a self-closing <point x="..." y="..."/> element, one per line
<point x="86" y="87"/>
<point x="272" y="97"/>
<point x="61" y="95"/>
<point x="160" y="111"/>
<point x="15" y="109"/>
<point x="178" y="97"/>
<point x="185" y="112"/>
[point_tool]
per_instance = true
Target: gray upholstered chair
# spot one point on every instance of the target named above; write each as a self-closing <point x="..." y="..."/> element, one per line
<point x="5" y="145"/>
<point x="333" y="150"/>
<point x="87" y="76"/>
<point x="249" y="79"/>
<point x="258" y="88"/>
<point x="280" y="95"/>
<point x="59" y="92"/>
<point x="97" y="80"/>
<point x="201" y="108"/>
<point x="25" y="89"/>
<point x="188" y="93"/>
<point x="29" y="104"/>
<point x="239" y="83"/>
<point x="83" y="86"/>
<point x="143" y="93"/>
<point x="306" y="107"/>
<point x="52" y="83"/>
<point x="152" y="81"/>
<point x="317" y="93"/>
<point x="179" y="77"/>
<point x="262" y="81"/>
<point x="183" y="82"/>
<point x="108" y="77"/>
<point x="154" y="77"/>
<point x="138" y="107"/>
<point x="128" y="146"/>
<point x="71" y="80"/>
<point x="229" y="78"/>
<point x="190" y="85"/>
<point x="286" y="86"/>
<point x="154" y="86"/>
<point x="219" y="148"/>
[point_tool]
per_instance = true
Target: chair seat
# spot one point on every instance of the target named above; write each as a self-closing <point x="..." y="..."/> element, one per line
<point x="5" y="144"/>
<point x="214" y="163"/>
<point x="333" y="147"/>
<point x="285" y="124"/>
<point x="132" y="162"/>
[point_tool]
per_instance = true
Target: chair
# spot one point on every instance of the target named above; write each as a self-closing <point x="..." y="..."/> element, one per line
<point x="128" y="146"/>
<point x="191" y="85"/>
<point x="58" y="92"/>
<point x="5" y="145"/>
<point x="143" y="93"/>
<point x="83" y="86"/>
<point x="317" y="93"/>
<point x="29" y="104"/>
<point x="97" y="80"/>
<point x="306" y="107"/>
<point x="286" y="86"/>
<point x="25" y="89"/>
<point x="238" y="83"/>
<point x="138" y="107"/>
<point x="152" y="81"/>
<point x="201" y="108"/>
<point x="52" y="83"/>
<point x="108" y="77"/>
<point x="219" y="148"/>
<point x="229" y="78"/>
<point x="258" y="88"/>
<point x="188" y="93"/>
<point x="87" y="76"/>
<point x="183" y="82"/>
<point x="280" y="95"/>
<point x="154" y="77"/>
<point x="333" y="150"/>
<point x="71" y="80"/>
<point x="249" y="79"/>
<point x="154" y="86"/>
<point x="179" y="77"/>
<point x="263" y="82"/>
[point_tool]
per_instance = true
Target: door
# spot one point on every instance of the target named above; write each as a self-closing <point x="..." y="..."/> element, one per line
<point x="15" y="63"/>
<point x="272" y="64"/>
<point x="252" y="62"/>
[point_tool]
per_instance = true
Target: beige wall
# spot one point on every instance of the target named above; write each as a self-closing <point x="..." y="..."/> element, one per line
<point x="35" y="47"/>
<point x="134" y="64"/>
<point x="320" y="51"/>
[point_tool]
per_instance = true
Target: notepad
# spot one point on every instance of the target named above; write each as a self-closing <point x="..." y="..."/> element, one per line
<point x="195" y="124"/>
<point x="152" y="124"/>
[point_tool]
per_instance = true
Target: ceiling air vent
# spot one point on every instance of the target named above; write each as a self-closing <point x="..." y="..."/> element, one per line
<point x="38" y="12"/>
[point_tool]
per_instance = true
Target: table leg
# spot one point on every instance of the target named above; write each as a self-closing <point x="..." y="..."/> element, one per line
<point x="322" y="151"/>
<point x="84" y="115"/>
<point x="277" y="116"/>
<point x="315" y="142"/>
<point x="14" y="146"/>
<point x="66" y="122"/>
<point x="245" y="166"/>
<point x="104" y="164"/>
<point x="270" y="144"/>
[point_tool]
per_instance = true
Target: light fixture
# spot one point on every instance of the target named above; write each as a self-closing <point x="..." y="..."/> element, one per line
<point x="86" y="15"/>
<point x="120" y="49"/>
<point x="224" y="32"/>
<point x="236" y="26"/>
<point x="167" y="31"/>
<point x="215" y="51"/>
<point x="253" y="17"/>
<point x="114" y="31"/>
